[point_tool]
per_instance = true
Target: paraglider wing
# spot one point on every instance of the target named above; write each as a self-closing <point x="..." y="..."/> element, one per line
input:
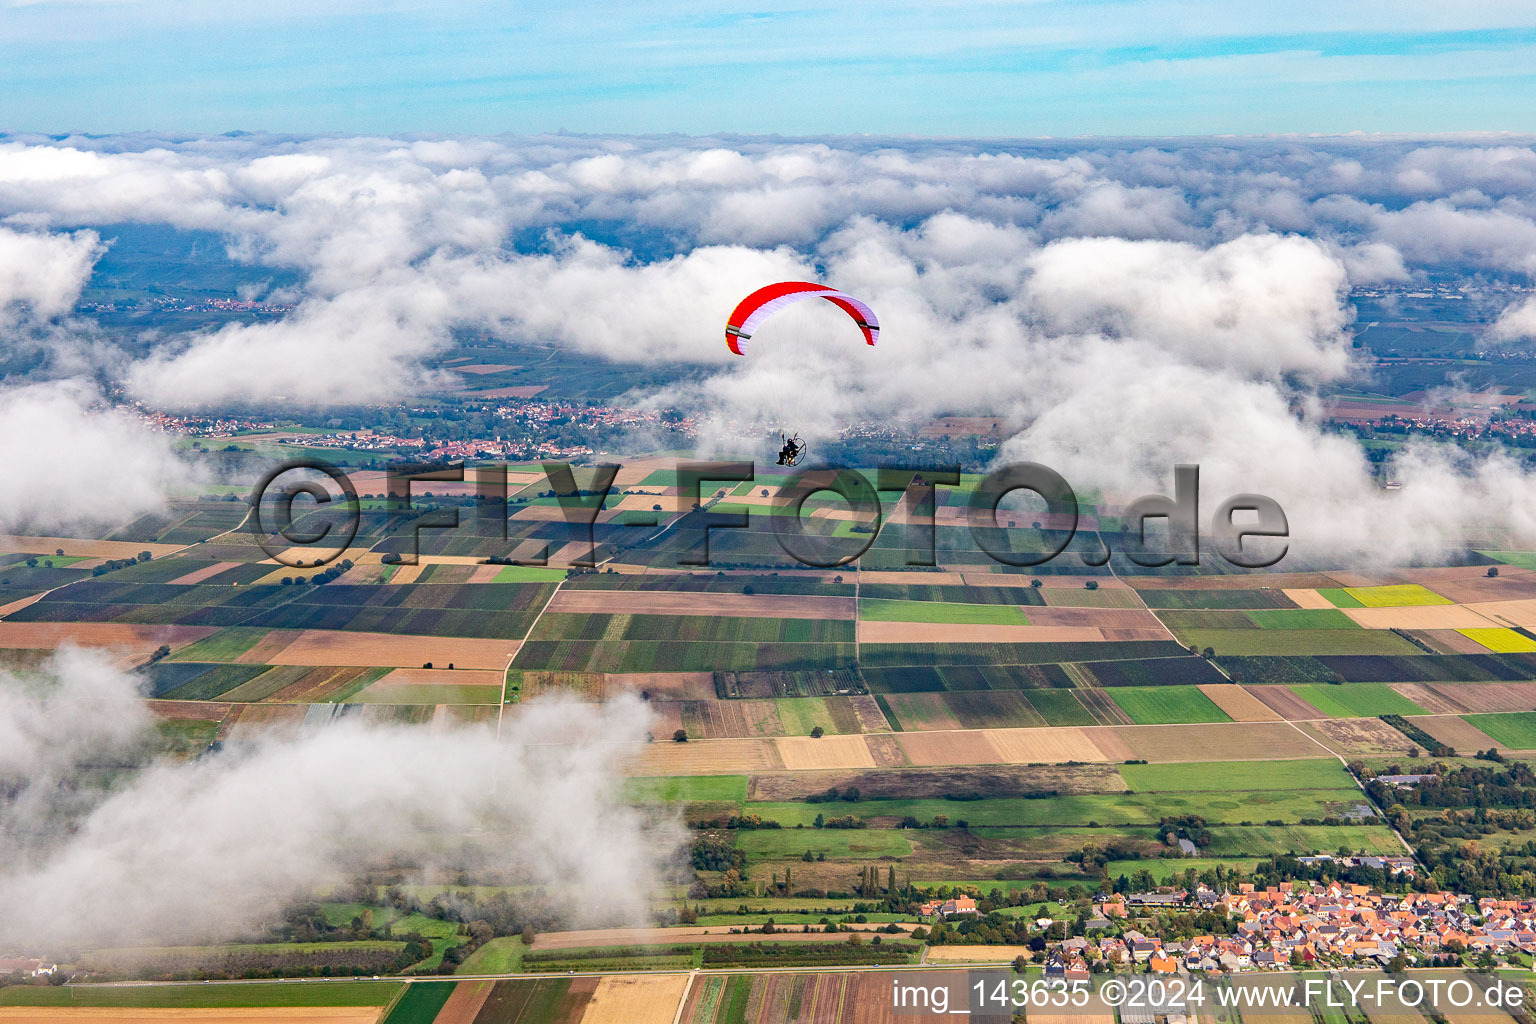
<point x="766" y="301"/>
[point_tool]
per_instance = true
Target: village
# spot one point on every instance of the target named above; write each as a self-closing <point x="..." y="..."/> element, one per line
<point x="1290" y="925"/>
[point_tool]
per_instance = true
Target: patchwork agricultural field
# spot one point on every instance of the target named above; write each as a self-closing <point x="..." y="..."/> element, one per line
<point x="964" y="725"/>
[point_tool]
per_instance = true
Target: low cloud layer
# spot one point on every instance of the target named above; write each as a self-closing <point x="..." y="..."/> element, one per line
<point x="216" y="847"/>
<point x="1061" y="286"/>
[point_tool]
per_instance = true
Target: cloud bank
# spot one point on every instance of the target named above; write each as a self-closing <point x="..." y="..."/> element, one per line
<point x="218" y="846"/>
<point x="1201" y="285"/>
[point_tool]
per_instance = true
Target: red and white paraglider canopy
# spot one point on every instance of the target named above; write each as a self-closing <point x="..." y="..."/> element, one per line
<point x="766" y="301"/>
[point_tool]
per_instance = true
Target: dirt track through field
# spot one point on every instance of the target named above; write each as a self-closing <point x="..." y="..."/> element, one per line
<point x="1507" y="613"/>
<point x="661" y="602"/>
<point x="1286" y="703"/>
<point x="1111" y="618"/>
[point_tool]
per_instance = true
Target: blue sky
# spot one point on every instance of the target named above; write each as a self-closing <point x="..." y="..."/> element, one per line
<point x="961" y="68"/>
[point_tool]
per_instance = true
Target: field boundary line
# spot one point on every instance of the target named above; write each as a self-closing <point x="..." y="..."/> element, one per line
<point x="501" y="708"/>
<point x="682" y="1003"/>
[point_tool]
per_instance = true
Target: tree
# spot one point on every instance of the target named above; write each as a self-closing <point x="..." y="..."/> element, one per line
<point x="527" y="935"/>
<point x="32" y="563"/>
<point x="680" y="736"/>
<point x="817" y="733"/>
<point x="1493" y="570"/>
<point x="58" y="551"/>
<point x="1091" y="585"/>
<point x="1037" y="583"/>
<point x="808" y="856"/>
<point x="821" y="820"/>
<point x="1208" y="653"/>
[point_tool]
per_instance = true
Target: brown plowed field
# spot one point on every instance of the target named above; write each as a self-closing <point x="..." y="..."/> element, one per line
<point x="886" y="750"/>
<point x="706" y="757"/>
<point x="1135" y="634"/>
<point x="971" y="632"/>
<point x="269" y="647"/>
<point x="922" y="711"/>
<point x="1455" y="732"/>
<point x="867" y="711"/>
<point x="136" y="639"/>
<point x="1223" y="741"/>
<point x="802" y="753"/>
<point x="1000" y="746"/>
<point x="1351" y="737"/>
<point x="665" y="685"/>
<point x="938" y="579"/>
<point x="1507" y="613"/>
<point x="339" y="647"/>
<point x="1238" y="703"/>
<point x="664" y="602"/>
<point x="464" y="1003"/>
<point x="1468" y="584"/>
<point x="11" y="542"/>
<point x="1064" y="597"/>
<point x="636" y="1000"/>
<point x="1437" y="702"/>
<point x="1286" y="703"/>
<point x="189" y="710"/>
<point x="1449" y="641"/>
<point x="1429" y="616"/>
<point x="198" y="575"/>
<point x="1482" y="697"/>
<point x="260" y="721"/>
<point x="1112" y="618"/>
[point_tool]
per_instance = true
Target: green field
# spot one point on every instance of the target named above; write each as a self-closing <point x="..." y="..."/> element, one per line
<point x="1164" y="869"/>
<point x="1340" y="597"/>
<point x="1166" y="705"/>
<point x="499" y="956"/>
<point x="1218" y="803"/>
<point x="1299" y="641"/>
<point x="211" y="996"/>
<point x="866" y="843"/>
<point x="225" y="645"/>
<point x="1312" y="773"/>
<point x="420" y="1003"/>
<point x="883" y="610"/>
<point x="1523" y="559"/>
<point x="1301" y="618"/>
<point x="802" y="714"/>
<point x="686" y="789"/>
<point x="1060" y="707"/>
<point x="1263" y="840"/>
<point x="528" y="574"/>
<point x="1356" y="700"/>
<point x="1517" y="731"/>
